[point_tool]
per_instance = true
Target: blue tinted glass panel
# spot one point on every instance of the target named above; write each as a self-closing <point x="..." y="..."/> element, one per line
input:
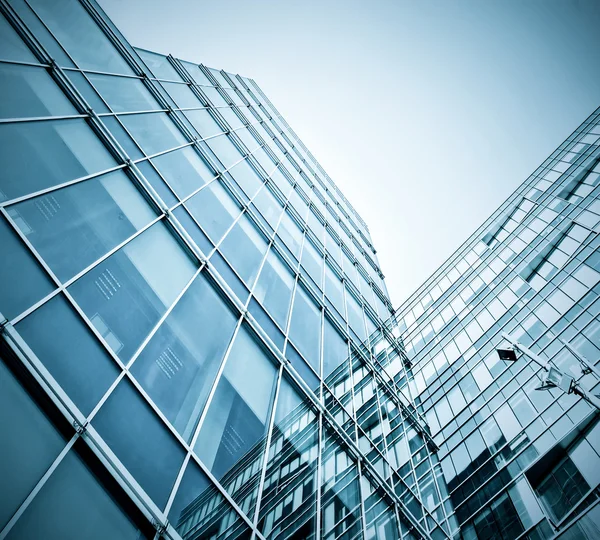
<point x="141" y="441"/>
<point x="205" y="124"/>
<point x="124" y="94"/>
<point x="27" y="91"/>
<point x="125" y="295"/>
<point x="74" y="226"/>
<point x="274" y="288"/>
<point x="214" y="209"/>
<point x="70" y="352"/>
<point x="238" y="414"/>
<point x="159" y="65"/>
<point x="199" y="507"/>
<point x="80" y="36"/>
<point x="184" y="169"/>
<point x="37" y="155"/>
<point x="179" y="364"/>
<point x="24" y="281"/>
<point x="12" y="45"/>
<point x="29" y="444"/>
<point x="154" y="132"/>
<point x="244" y="248"/>
<point x="305" y="328"/>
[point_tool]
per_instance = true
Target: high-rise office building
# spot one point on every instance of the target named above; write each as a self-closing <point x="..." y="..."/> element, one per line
<point x="518" y="462"/>
<point x="190" y="307"/>
<point x="196" y="338"/>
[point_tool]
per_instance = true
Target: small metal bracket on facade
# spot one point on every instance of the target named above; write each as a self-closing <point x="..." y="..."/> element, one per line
<point x="80" y="429"/>
<point x="161" y="528"/>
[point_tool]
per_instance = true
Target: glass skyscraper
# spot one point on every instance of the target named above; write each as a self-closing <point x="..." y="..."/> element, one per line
<point x="196" y="339"/>
<point x="518" y="462"/>
<point x="190" y="309"/>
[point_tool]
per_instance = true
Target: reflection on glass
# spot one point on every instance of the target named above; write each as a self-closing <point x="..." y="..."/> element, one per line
<point x="200" y="511"/>
<point x="231" y="439"/>
<point x="244" y="248"/>
<point x="274" y="288"/>
<point x="305" y="327"/>
<point x="179" y="364"/>
<point x="340" y="499"/>
<point x="288" y="507"/>
<point x="184" y="169"/>
<point x="37" y="155"/>
<point x="30" y="91"/>
<point x="214" y="209"/>
<point x="125" y="295"/>
<point x="154" y="132"/>
<point x="124" y="94"/>
<point x="12" y="45"/>
<point x="74" y="226"/>
<point x="80" y="36"/>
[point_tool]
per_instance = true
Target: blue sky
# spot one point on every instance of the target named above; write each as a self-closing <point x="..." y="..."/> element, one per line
<point x="427" y="114"/>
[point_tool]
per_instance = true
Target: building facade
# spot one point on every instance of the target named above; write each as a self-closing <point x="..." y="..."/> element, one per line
<point x="192" y="314"/>
<point x="518" y="462"/>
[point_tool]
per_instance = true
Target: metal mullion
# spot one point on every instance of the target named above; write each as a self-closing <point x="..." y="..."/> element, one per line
<point x="36" y="489"/>
<point x="23" y="62"/>
<point x="267" y="446"/>
<point x="63" y="185"/>
<point x="361" y="497"/>
<point x="42" y="118"/>
<point x="131" y="113"/>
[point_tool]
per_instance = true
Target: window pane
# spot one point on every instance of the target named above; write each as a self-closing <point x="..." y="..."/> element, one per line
<point x="179" y="364"/>
<point x="37" y="155"/>
<point x="126" y="294"/>
<point x="305" y="328"/>
<point x="214" y="209"/>
<point x="28" y="446"/>
<point x="292" y="467"/>
<point x="182" y="95"/>
<point x="200" y="511"/>
<point x="72" y="505"/>
<point x="244" y="248"/>
<point x="141" y="441"/>
<point x="12" y="46"/>
<point x="274" y="288"/>
<point x="313" y="262"/>
<point x="60" y="339"/>
<point x="204" y="123"/>
<point x="335" y="349"/>
<point x="290" y="234"/>
<point x="159" y="64"/>
<point x="184" y="170"/>
<point x="334" y="290"/>
<point x="28" y="91"/>
<point x="225" y="150"/>
<point x="74" y="226"/>
<point x="80" y="36"/>
<point x="238" y="414"/>
<point x="269" y="206"/>
<point x="124" y="94"/>
<point x="24" y="281"/>
<point x="154" y="132"/>
<point x="246" y="178"/>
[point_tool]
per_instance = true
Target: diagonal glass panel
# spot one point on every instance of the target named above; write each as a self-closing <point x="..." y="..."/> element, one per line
<point x="231" y="442"/>
<point x="178" y="366"/>
<point x="288" y="503"/>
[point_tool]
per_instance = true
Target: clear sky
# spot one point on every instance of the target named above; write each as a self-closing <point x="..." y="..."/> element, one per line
<point x="427" y="114"/>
